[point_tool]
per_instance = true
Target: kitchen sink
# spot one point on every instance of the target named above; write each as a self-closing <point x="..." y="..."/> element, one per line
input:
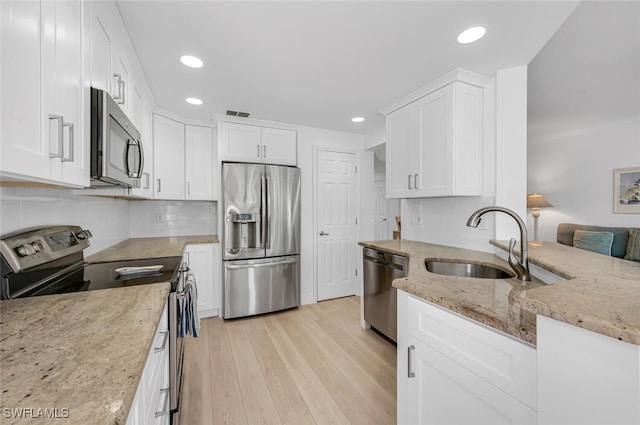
<point x="481" y="271"/>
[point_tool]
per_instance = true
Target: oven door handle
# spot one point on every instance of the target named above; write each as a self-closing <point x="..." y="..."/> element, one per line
<point x="187" y="289"/>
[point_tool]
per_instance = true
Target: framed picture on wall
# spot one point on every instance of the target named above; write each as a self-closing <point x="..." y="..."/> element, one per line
<point x="626" y="190"/>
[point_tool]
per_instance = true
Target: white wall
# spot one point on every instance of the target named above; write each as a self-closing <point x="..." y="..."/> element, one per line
<point x="107" y="218"/>
<point x="308" y="139"/>
<point x="511" y="148"/>
<point x="574" y="171"/>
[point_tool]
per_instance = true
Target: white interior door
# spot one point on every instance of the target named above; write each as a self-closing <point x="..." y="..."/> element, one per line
<point x="336" y="224"/>
<point x="380" y="214"/>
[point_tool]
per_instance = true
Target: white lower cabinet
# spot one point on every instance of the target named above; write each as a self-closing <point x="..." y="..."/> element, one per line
<point x="453" y="370"/>
<point x="585" y="378"/>
<point x="204" y="261"/>
<point x="151" y="403"/>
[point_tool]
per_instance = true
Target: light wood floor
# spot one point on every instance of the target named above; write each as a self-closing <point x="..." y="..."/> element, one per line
<point x="310" y="365"/>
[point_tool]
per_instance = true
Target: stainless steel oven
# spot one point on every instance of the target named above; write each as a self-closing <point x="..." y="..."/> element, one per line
<point x="179" y="290"/>
<point x="50" y="260"/>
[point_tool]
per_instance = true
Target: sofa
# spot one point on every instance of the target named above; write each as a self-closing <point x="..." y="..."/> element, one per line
<point x="565" y="235"/>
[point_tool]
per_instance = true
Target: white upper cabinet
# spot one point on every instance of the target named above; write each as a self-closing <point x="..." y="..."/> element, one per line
<point x="199" y="163"/>
<point x="240" y="142"/>
<point x="252" y="143"/>
<point x="185" y="160"/>
<point x="434" y="141"/>
<point x="110" y="65"/>
<point x="42" y="93"/>
<point x="168" y="158"/>
<point x="146" y="181"/>
<point x="100" y="52"/>
<point x="278" y="146"/>
<point x="402" y="152"/>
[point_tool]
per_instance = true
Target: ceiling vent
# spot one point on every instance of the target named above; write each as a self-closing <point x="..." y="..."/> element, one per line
<point x="238" y="114"/>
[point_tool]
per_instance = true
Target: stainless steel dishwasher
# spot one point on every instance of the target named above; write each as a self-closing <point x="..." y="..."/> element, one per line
<point x="380" y="269"/>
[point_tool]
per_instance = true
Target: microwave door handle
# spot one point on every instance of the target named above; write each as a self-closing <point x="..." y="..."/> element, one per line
<point x="141" y="166"/>
<point x="126" y="158"/>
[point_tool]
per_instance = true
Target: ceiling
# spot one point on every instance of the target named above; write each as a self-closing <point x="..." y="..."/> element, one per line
<point x="320" y="63"/>
<point x="588" y="74"/>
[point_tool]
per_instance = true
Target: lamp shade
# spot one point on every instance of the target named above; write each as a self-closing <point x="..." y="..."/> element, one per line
<point x="536" y="200"/>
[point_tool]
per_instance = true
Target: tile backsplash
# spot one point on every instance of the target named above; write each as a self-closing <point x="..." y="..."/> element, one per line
<point x="172" y="218"/>
<point x="110" y="220"/>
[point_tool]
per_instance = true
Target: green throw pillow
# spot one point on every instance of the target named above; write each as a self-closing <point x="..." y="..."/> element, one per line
<point x="633" y="246"/>
<point x="599" y="242"/>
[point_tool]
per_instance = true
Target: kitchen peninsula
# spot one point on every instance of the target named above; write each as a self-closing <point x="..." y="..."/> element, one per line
<point x="552" y="341"/>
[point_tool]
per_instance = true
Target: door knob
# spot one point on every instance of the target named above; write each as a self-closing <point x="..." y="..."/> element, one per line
<point x="322" y="233"/>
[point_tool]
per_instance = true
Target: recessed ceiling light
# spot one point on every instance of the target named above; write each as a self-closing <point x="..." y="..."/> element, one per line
<point x="194" y="101"/>
<point x="472" y="34"/>
<point x="191" y="61"/>
<point x="357" y="119"/>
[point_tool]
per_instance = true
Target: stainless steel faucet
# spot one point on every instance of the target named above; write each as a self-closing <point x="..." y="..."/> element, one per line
<point x="521" y="268"/>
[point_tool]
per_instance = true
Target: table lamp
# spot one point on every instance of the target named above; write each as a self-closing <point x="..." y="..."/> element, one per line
<point x="536" y="201"/>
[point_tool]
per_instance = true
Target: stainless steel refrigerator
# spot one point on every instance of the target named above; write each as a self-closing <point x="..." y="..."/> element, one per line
<point x="261" y="238"/>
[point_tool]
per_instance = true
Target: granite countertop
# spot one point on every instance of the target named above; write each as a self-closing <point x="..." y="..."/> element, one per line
<point x="601" y="293"/>
<point x="139" y="248"/>
<point x="488" y="301"/>
<point x="81" y="353"/>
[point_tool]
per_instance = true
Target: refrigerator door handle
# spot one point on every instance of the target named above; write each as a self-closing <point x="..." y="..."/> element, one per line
<point x="263" y="212"/>
<point x="267" y="214"/>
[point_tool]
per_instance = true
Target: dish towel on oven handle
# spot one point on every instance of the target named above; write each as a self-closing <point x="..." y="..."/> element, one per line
<point x="190" y="323"/>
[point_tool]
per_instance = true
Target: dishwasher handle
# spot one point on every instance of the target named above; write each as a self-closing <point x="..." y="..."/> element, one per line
<point x="385" y="259"/>
<point x="384" y="263"/>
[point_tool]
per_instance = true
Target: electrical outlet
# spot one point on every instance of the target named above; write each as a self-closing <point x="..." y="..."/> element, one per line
<point x="159" y="218"/>
<point x="418" y="219"/>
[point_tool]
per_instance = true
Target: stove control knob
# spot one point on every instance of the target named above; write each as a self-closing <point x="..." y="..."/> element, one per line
<point x="26" y="249"/>
<point x="84" y="234"/>
<point x="37" y="246"/>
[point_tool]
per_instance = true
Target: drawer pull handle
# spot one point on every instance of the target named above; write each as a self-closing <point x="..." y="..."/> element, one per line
<point x="164" y="342"/>
<point x="410" y="372"/>
<point x="163" y="412"/>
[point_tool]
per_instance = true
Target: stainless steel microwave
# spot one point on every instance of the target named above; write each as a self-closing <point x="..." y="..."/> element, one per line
<point x="117" y="157"/>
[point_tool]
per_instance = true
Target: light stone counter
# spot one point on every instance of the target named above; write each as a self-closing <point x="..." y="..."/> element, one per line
<point x="81" y="353"/>
<point x="139" y="248"/>
<point x="488" y="301"/>
<point x="602" y="294"/>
